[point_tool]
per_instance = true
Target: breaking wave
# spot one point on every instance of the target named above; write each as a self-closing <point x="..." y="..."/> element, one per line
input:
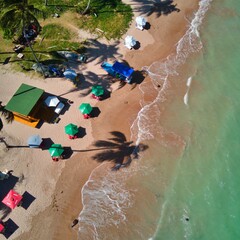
<point x="144" y="127"/>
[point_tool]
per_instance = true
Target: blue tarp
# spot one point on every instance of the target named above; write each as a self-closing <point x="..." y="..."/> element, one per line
<point x="108" y="68"/>
<point x="122" y="69"/>
<point x="118" y="70"/>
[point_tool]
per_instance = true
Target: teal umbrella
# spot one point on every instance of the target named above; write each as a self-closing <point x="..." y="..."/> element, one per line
<point x="97" y="90"/>
<point x="85" y="108"/>
<point x="56" y="150"/>
<point x="71" y="129"/>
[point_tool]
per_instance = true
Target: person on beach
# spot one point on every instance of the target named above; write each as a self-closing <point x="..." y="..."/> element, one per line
<point x="74" y="223"/>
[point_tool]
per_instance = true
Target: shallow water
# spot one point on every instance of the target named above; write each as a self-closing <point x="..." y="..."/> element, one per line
<point x="186" y="185"/>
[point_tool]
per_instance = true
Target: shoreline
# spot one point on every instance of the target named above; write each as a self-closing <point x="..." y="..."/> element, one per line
<point x="66" y="201"/>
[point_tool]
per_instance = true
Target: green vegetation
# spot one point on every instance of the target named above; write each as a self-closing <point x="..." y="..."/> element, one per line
<point x="55" y="32"/>
<point x="111" y="20"/>
<point x="106" y="18"/>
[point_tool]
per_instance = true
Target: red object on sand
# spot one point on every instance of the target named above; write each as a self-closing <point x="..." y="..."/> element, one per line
<point x="1" y="228"/>
<point x="96" y="97"/>
<point x="70" y="137"/>
<point x="12" y="199"/>
<point x="86" y="116"/>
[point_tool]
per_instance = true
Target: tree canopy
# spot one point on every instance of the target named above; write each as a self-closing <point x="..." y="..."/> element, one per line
<point x="16" y="16"/>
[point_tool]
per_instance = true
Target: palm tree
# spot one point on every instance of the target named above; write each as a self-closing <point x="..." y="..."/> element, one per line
<point x="17" y="16"/>
<point x="15" y="20"/>
<point x="87" y="7"/>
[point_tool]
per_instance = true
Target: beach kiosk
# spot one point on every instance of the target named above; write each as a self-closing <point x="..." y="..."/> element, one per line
<point x="27" y="106"/>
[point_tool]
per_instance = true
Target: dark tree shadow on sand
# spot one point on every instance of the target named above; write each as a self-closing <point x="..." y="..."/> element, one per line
<point x="160" y="7"/>
<point x="118" y="150"/>
<point x="99" y="52"/>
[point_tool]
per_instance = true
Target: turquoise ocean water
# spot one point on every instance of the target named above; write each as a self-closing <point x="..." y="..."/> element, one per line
<point x="186" y="186"/>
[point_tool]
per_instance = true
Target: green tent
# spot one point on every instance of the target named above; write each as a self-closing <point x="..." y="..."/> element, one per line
<point x="71" y="129"/>
<point x="85" y="108"/>
<point x="56" y="150"/>
<point x="97" y="90"/>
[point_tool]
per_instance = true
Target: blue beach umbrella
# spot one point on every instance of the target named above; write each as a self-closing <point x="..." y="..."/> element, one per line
<point x="70" y="74"/>
<point x="34" y="141"/>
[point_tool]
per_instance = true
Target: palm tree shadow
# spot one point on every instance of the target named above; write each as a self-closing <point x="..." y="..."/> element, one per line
<point x="117" y="150"/>
<point x="160" y="7"/>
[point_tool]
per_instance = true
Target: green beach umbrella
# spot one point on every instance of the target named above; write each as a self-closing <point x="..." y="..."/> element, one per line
<point x="85" y="108"/>
<point x="97" y="90"/>
<point x="56" y="150"/>
<point x="71" y="129"/>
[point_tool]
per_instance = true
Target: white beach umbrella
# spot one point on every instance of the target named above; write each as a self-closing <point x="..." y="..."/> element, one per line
<point x="52" y="101"/>
<point x="141" y="21"/>
<point x="129" y="42"/>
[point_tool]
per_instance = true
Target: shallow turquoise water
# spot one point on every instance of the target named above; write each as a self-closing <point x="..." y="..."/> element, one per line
<point x="202" y="202"/>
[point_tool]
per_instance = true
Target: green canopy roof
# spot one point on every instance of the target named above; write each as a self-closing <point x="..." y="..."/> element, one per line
<point x="24" y="99"/>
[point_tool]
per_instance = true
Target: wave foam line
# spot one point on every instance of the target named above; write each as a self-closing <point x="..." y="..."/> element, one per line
<point x="160" y="71"/>
<point x="184" y="48"/>
<point x="185" y="98"/>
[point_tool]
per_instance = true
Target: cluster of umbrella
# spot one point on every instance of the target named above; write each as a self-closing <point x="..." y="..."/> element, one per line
<point x="130" y="41"/>
<point x="56" y="150"/>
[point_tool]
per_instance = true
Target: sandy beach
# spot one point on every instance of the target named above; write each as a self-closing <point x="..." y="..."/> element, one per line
<point x="55" y="187"/>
